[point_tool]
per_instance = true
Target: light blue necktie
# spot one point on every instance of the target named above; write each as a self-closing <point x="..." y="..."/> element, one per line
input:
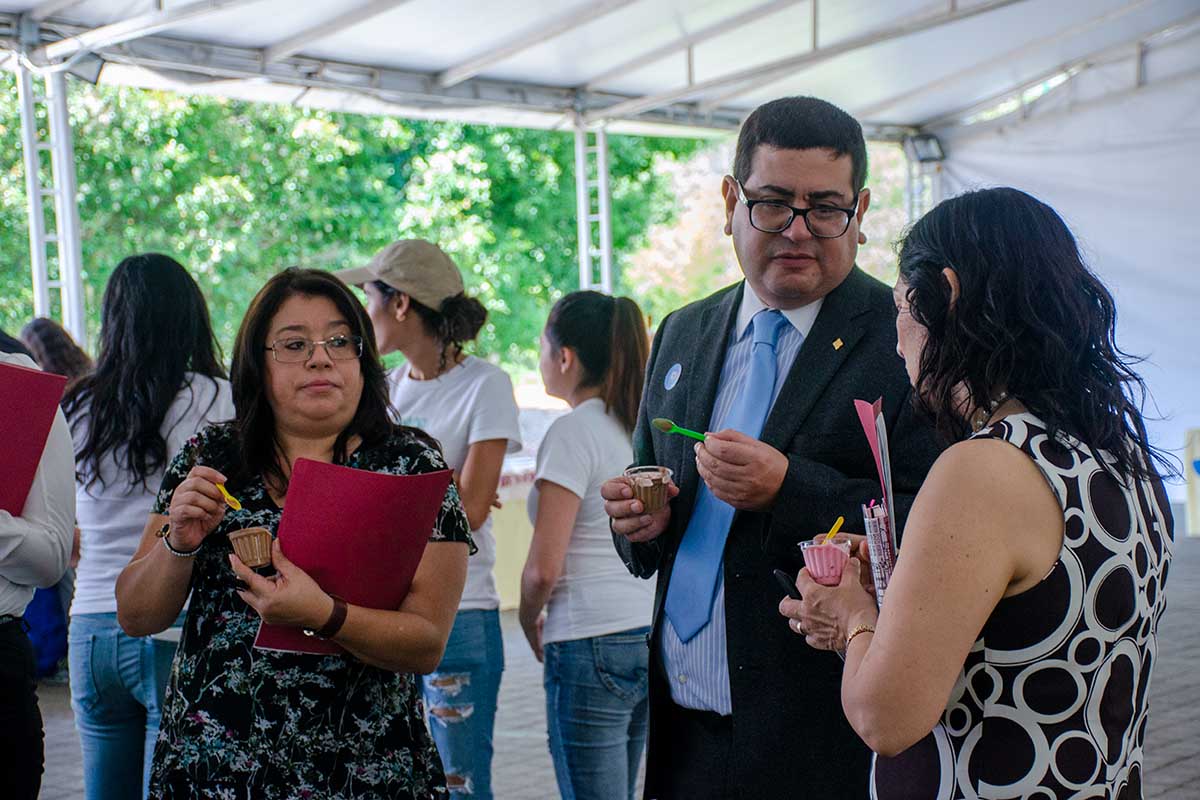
<point x="698" y="562"/>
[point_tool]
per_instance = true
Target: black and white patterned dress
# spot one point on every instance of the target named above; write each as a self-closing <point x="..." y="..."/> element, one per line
<point x="1052" y="701"/>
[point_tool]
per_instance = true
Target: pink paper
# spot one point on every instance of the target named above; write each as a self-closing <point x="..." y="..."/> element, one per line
<point x="867" y="412"/>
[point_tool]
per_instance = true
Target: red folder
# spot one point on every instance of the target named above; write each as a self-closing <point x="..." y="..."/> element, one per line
<point x="359" y="534"/>
<point x="30" y="400"/>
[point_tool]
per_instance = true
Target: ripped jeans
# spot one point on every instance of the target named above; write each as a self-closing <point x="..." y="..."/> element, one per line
<point x="460" y="700"/>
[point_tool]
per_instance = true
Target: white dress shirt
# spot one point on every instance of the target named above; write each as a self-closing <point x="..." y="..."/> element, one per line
<point x="36" y="546"/>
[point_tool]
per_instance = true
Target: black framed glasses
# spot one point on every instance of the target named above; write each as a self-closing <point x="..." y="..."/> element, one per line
<point x="774" y="216"/>
<point x="297" y="349"/>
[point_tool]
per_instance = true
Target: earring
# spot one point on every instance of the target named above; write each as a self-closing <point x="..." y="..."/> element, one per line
<point x="862" y="238"/>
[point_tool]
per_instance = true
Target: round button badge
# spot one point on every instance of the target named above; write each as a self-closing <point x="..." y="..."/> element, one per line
<point x="672" y="376"/>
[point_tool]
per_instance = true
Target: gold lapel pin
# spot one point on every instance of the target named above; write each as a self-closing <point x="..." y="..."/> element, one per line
<point x="837" y="344"/>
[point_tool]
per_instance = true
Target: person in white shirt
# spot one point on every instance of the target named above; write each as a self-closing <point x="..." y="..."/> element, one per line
<point x="417" y="305"/>
<point x="584" y="615"/>
<point x="34" y="550"/>
<point x="157" y="381"/>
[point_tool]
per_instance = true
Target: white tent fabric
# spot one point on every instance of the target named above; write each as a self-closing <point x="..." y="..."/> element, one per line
<point x="1122" y="166"/>
<point x="895" y="64"/>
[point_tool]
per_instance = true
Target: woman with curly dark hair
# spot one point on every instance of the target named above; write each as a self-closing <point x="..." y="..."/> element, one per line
<point x="1013" y="651"/>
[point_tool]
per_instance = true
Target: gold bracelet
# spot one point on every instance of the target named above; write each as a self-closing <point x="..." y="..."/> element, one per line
<point x="855" y="631"/>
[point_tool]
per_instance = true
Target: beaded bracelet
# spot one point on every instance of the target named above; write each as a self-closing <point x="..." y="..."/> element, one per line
<point x="855" y="631"/>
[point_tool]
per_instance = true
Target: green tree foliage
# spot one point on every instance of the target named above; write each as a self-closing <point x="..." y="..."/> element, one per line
<point x="236" y="191"/>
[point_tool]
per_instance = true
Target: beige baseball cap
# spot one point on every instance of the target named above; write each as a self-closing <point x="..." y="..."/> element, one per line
<point x="420" y="269"/>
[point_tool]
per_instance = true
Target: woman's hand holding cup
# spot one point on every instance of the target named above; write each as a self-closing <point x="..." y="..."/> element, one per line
<point x="197" y="507"/>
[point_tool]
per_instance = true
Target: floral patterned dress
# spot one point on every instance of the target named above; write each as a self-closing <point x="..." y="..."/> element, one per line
<point x="246" y="723"/>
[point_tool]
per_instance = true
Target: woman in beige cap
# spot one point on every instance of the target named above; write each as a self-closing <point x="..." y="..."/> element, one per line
<point x="416" y="302"/>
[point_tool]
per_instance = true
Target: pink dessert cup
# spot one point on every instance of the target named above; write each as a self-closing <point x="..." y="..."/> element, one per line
<point x="825" y="562"/>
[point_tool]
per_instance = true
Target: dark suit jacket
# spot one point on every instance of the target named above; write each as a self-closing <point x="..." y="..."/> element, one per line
<point x="791" y="738"/>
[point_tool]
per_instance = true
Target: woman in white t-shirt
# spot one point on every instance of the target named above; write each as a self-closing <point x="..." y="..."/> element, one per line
<point x="416" y="302"/>
<point x="585" y="616"/>
<point x="157" y="381"/>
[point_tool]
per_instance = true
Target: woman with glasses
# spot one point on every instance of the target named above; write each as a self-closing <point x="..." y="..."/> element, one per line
<point x="157" y="381"/>
<point x="1017" y="638"/>
<point x="239" y="722"/>
<point x="418" y="307"/>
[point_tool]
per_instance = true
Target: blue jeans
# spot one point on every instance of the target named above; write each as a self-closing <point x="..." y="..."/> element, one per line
<point x="460" y="699"/>
<point x="117" y="686"/>
<point x="596" y="712"/>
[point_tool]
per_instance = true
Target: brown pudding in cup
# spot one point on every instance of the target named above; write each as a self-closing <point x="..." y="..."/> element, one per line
<point x="253" y="547"/>
<point x="650" y="486"/>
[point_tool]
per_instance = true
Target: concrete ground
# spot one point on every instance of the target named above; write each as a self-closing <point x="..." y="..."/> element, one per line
<point x="522" y="769"/>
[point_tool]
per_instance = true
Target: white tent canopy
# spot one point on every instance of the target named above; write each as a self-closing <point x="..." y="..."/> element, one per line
<point x="1091" y="104"/>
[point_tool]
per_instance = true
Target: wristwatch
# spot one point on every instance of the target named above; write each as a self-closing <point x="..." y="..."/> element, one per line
<point x="337" y="618"/>
<point x="164" y="533"/>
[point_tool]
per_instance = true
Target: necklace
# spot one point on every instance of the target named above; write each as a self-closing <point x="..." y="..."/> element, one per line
<point x="982" y="415"/>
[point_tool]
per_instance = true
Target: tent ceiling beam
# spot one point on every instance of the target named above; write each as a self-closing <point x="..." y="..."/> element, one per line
<point x="49" y="8"/>
<point x="755" y="79"/>
<point x="785" y="66"/>
<point x="871" y="111"/>
<point x="1138" y="43"/>
<point x="527" y="39"/>
<point x="130" y="29"/>
<point x="221" y="62"/>
<point x="294" y="44"/>
<point x="721" y="28"/>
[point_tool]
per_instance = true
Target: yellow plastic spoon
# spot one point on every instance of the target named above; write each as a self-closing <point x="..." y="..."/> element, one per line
<point x="837" y="526"/>
<point x="230" y="500"/>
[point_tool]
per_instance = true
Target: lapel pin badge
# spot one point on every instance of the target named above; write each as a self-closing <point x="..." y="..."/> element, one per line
<point x="672" y="376"/>
<point x="837" y="344"/>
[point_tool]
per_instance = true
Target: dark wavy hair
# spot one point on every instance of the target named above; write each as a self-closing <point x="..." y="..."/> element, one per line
<point x="154" y="330"/>
<point x="1030" y="319"/>
<point x="258" y="449"/>
<point x="55" y="350"/>
<point x="608" y="334"/>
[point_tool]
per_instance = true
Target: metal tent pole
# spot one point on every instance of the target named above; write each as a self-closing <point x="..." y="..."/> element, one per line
<point x="66" y="207"/>
<point x="604" y="212"/>
<point x="31" y="148"/>
<point x="583" y="204"/>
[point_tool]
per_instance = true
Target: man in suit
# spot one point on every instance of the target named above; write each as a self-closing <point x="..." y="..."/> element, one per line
<point x="740" y="706"/>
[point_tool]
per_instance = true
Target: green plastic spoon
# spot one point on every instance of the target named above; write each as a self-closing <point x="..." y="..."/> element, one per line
<point x="667" y="426"/>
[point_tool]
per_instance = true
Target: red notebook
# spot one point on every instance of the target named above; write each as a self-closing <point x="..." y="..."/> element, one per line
<point x="30" y="399"/>
<point x="359" y="534"/>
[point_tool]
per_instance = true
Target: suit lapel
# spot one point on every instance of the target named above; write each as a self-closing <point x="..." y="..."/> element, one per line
<point x="841" y="318"/>
<point x="708" y="359"/>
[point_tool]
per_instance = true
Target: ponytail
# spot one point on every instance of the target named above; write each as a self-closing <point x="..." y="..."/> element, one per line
<point x="609" y="337"/>
<point x="629" y="347"/>
<point x="458" y="321"/>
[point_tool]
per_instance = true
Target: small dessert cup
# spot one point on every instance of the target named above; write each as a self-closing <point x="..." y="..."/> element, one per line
<point x="826" y="560"/>
<point x="253" y="548"/>
<point x="650" y="486"/>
